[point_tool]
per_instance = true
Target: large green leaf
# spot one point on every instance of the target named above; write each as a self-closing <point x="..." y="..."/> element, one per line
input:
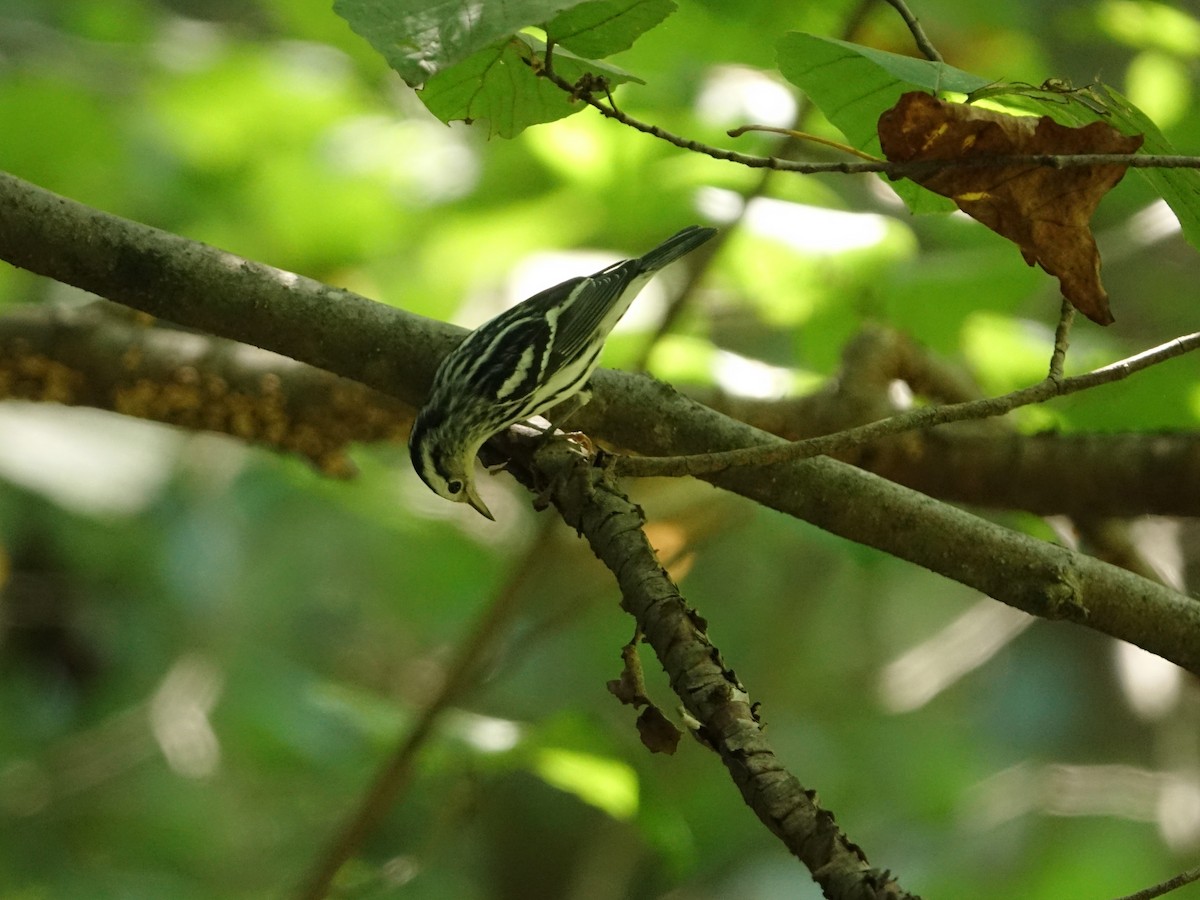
<point x="600" y="28"/>
<point x="1180" y="188"/>
<point x="499" y="85"/>
<point x="853" y="84"/>
<point x="420" y="38"/>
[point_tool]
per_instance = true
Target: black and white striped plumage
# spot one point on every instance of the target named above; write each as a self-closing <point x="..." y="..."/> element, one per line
<point x="524" y="361"/>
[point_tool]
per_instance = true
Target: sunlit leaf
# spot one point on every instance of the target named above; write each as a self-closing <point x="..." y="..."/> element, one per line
<point x="1180" y="188"/>
<point x="852" y="85"/>
<point x="419" y="39"/>
<point x="601" y="27"/>
<point x="605" y="783"/>
<point x="499" y="84"/>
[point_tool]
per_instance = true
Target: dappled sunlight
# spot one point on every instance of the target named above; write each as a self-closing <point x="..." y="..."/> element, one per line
<point x="809" y="229"/>
<point x="189" y="45"/>
<point x="400" y="870"/>
<point x="1006" y="353"/>
<point x="1151" y="685"/>
<point x="1178" y="811"/>
<point x="924" y="671"/>
<point x="579" y="150"/>
<point x="420" y="160"/>
<point x="604" y="782"/>
<point x="745" y="377"/>
<point x="1153" y="224"/>
<point x="179" y="716"/>
<point x="92" y="462"/>
<point x="671" y="544"/>
<point x="732" y="96"/>
<point x="1157" y="25"/>
<point x="900" y="394"/>
<point x="415" y="498"/>
<point x="1171" y="801"/>
<point x="228" y="670"/>
<point x="1158" y="541"/>
<point x="487" y="734"/>
<point x="1160" y="84"/>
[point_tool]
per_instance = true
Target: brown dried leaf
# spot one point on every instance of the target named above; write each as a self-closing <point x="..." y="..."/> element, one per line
<point x="658" y="733"/>
<point x="1044" y="211"/>
<point x="630" y="688"/>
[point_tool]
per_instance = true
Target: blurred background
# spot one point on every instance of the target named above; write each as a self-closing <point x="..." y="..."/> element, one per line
<point x="207" y="649"/>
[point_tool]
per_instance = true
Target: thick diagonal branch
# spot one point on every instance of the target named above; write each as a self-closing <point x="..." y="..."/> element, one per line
<point x="98" y="356"/>
<point x="202" y="287"/>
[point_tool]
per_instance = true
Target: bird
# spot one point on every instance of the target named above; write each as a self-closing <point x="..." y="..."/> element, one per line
<point x="524" y="361"/>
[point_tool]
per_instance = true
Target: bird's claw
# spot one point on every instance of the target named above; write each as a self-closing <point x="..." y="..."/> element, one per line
<point x="583" y="441"/>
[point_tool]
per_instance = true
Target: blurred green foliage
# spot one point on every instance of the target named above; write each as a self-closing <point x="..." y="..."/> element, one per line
<point x="206" y="651"/>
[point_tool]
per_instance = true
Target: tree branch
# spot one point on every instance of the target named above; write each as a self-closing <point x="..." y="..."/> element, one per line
<point x="1054" y="385"/>
<point x="1165" y="887"/>
<point x="981" y="462"/>
<point x="729" y="722"/>
<point x="201" y="287"/>
<point x="1079" y="475"/>
<point x="1105" y="474"/>
<point x="1039" y="578"/>
<point x="96" y="356"/>
<point x="918" y="33"/>
<point x="893" y="170"/>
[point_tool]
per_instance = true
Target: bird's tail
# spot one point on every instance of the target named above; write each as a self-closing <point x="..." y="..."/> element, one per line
<point x="675" y="246"/>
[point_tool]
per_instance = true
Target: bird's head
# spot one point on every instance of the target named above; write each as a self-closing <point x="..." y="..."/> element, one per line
<point x="444" y="460"/>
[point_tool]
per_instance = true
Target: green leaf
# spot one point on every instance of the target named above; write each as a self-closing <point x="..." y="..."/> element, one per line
<point x="600" y="28"/>
<point x="853" y="85"/>
<point x="1179" y="187"/>
<point x="499" y="85"/>
<point x="419" y="39"/>
<point x="608" y="784"/>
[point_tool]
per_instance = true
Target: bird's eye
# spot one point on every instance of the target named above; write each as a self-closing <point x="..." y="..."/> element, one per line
<point x="454" y="486"/>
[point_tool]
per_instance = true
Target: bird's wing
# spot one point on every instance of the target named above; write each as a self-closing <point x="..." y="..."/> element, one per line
<point x="596" y="305"/>
<point x="509" y="366"/>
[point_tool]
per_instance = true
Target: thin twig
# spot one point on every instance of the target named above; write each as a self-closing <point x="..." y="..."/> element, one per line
<point x="393" y="776"/>
<point x="1062" y="339"/>
<point x="1171" y="884"/>
<point x="801" y="136"/>
<point x="891" y="169"/>
<point x="926" y="417"/>
<point x="918" y="33"/>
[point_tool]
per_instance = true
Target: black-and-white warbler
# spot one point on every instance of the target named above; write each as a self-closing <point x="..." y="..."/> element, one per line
<point x="524" y="361"/>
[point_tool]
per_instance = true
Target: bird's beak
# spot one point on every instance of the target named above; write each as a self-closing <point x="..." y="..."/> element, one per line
<point x="477" y="503"/>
